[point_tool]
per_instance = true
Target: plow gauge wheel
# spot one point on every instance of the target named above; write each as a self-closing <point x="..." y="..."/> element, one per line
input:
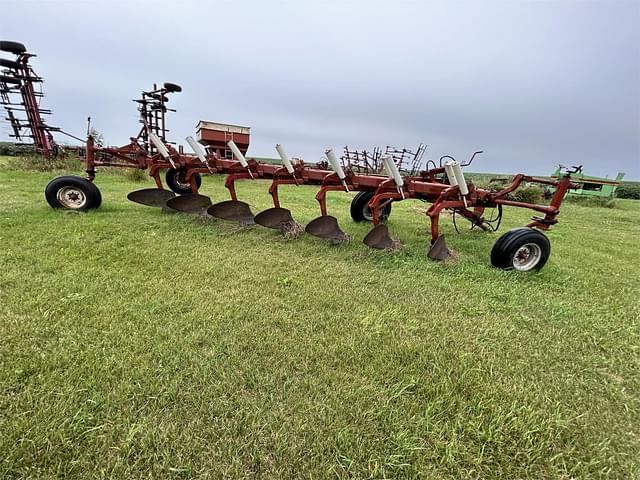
<point x="524" y="249"/>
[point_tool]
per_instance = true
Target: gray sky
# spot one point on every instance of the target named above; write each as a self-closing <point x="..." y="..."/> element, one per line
<point x="532" y="83"/>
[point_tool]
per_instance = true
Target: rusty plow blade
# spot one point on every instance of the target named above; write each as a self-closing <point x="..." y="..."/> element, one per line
<point x="152" y="197"/>
<point x="380" y="239"/>
<point x="193" y="203"/>
<point x="279" y="219"/>
<point x="327" y="227"/>
<point x="439" y="250"/>
<point x="233" y="210"/>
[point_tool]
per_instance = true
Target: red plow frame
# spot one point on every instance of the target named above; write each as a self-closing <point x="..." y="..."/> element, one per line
<point x="443" y="186"/>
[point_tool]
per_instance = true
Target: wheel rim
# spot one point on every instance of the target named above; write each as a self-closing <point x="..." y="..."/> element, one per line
<point x="72" y="197"/>
<point x="181" y="183"/>
<point x="368" y="216"/>
<point x="366" y="213"/>
<point x="527" y="257"/>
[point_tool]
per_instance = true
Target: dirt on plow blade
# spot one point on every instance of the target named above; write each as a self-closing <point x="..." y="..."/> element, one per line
<point x="190" y="203"/>
<point x="232" y="210"/>
<point x="327" y="227"/>
<point x="152" y="197"/>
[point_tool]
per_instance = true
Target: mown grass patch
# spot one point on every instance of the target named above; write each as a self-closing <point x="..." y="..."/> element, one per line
<point x="138" y="344"/>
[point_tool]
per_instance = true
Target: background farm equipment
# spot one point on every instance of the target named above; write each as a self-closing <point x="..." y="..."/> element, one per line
<point x="20" y="94"/>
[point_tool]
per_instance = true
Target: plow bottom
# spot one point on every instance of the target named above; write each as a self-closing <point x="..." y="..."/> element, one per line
<point x="152" y="197"/>
<point x="440" y="251"/>
<point x="380" y="239"/>
<point x="327" y="227"/>
<point x="233" y="210"/>
<point x="190" y="203"/>
<point x="279" y="219"/>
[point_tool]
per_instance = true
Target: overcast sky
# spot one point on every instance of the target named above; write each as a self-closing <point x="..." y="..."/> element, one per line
<point x="532" y="83"/>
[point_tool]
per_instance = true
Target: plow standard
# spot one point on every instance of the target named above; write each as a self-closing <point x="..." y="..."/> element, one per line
<point x="380" y="178"/>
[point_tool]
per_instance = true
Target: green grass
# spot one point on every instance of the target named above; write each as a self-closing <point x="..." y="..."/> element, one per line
<point x="136" y="344"/>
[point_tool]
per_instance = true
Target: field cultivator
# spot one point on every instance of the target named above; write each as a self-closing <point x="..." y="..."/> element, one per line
<point x="20" y="94"/>
<point x="380" y="178"/>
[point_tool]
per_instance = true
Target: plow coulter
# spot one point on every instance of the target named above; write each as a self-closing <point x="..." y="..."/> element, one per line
<point x="379" y="179"/>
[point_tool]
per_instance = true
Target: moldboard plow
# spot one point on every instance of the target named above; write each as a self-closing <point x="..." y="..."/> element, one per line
<point x="379" y="179"/>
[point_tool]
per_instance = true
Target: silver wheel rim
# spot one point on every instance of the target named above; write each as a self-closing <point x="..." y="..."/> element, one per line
<point x="366" y="213"/>
<point x="527" y="257"/>
<point x="368" y="216"/>
<point x="182" y="184"/>
<point x="72" y="197"/>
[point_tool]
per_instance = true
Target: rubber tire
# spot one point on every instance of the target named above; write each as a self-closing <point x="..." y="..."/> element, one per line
<point x="172" y="87"/>
<point x="358" y="204"/>
<point x="94" y="197"/>
<point x="5" y="79"/>
<point x="508" y="244"/>
<point x="9" y="63"/>
<point x="13" y="47"/>
<point x="170" y="178"/>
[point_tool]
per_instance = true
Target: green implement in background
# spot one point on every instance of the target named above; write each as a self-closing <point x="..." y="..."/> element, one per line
<point x="594" y="186"/>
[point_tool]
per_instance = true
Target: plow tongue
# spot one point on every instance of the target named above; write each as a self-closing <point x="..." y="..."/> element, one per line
<point x="327" y="227"/>
<point x="152" y="197"/>
<point x="440" y="251"/>
<point x="233" y="210"/>
<point x="189" y="203"/>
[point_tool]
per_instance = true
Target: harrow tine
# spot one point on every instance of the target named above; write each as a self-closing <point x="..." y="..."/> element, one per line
<point x="379" y="238"/>
<point x="327" y="227"/>
<point x="233" y="210"/>
<point x="279" y="219"/>
<point x="193" y="203"/>
<point x="152" y="197"/>
<point x="439" y="250"/>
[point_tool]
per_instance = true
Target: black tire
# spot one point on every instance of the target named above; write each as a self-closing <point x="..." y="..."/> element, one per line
<point x="5" y="79"/>
<point x="360" y="211"/>
<point x="9" y="63"/>
<point x="172" y="87"/>
<point x="175" y="179"/>
<point x="13" y="47"/>
<point x="72" y="193"/>
<point x="524" y="249"/>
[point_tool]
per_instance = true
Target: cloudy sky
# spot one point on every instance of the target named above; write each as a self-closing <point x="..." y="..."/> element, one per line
<point x="532" y="83"/>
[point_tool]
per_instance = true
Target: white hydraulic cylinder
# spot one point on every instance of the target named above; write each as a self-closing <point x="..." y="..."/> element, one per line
<point x="335" y="163"/>
<point x="450" y="175"/>
<point x="336" y="167"/>
<point x="459" y="176"/>
<point x="197" y="149"/>
<point x="285" y="159"/>
<point x="161" y="147"/>
<point x="392" y="170"/>
<point x="237" y="153"/>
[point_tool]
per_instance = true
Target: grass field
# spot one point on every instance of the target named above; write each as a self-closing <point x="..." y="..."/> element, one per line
<point x="136" y="344"/>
